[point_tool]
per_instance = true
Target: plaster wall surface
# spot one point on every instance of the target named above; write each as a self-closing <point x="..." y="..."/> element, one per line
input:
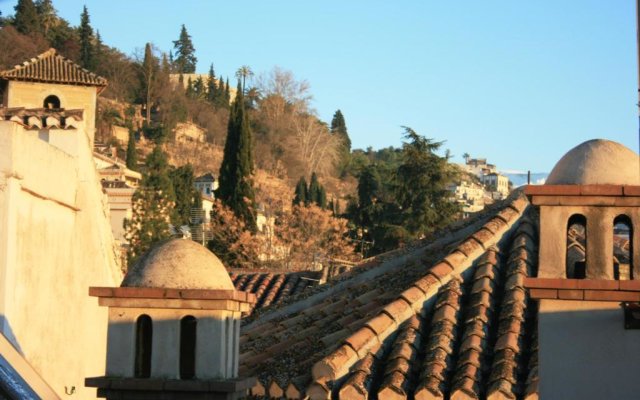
<point x="55" y="242"/>
<point x="585" y="352"/>
<point x="216" y="337"/>
<point x="32" y="95"/>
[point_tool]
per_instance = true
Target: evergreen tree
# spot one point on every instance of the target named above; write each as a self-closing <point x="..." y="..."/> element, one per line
<point x="153" y="204"/>
<point x="26" y="19"/>
<point x="227" y="93"/>
<point x="212" y="88"/>
<point x="322" y="198"/>
<point x="187" y="196"/>
<point x="339" y="128"/>
<point x="421" y="191"/>
<point x="301" y="192"/>
<point x="132" y="155"/>
<point x="236" y="186"/>
<point x="368" y="186"/>
<point x="86" y="41"/>
<point x="199" y="89"/>
<point x="47" y="16"/>
<point x="185" y="53"/>
<point x="149" y="79"/>
<point x="190" y="91"/>
<point x="314" y="190"/>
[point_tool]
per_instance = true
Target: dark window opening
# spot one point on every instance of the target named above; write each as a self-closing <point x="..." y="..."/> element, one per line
<point x="622" y="248"/>
<point x="576" y="259"/>
<point x="188" y="327"/>
<point x="144" y="336"/>
<point x="51" y="102"/>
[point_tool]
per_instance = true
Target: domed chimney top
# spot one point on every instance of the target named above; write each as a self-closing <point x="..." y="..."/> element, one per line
<point x="178" y="264"/>
<point x="597" y="162"/>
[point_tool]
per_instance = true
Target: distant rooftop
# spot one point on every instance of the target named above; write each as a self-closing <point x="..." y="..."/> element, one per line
<point x="51" y="67"/>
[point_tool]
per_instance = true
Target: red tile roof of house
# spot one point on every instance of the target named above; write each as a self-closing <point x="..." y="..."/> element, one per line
<point x="450" y="319"/>
<point x="51" y="67"/>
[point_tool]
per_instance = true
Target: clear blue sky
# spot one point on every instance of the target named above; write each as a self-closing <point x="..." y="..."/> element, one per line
<point x="518" y="82"/>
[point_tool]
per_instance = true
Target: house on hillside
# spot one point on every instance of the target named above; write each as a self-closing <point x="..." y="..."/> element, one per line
<point x="206" y="184"/>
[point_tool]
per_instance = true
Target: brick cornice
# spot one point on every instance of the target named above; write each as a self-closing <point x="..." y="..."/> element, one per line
<point x="583" y="289"/>
<point x="582" y="190"/>
<point x="163" y="293"/>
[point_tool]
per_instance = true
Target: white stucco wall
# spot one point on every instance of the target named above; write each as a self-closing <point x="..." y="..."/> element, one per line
<point x="585" y="352"/>
<point x="55" y="242"/>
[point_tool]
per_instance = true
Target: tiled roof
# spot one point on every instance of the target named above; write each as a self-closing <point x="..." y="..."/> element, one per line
<point x="450" y="319"/>
<point x="40" y="118"/>
<point x="53" y="68"/>
<point x="273" y="288"/>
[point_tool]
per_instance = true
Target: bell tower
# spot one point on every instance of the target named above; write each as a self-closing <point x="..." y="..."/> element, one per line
<point x="589" y="273"/>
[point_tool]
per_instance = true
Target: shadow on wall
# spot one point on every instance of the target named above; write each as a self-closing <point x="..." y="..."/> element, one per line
<point x="585" y="352"/>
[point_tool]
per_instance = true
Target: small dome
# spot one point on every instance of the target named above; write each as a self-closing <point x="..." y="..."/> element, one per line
<point x="178" y="264"/>
<point x="597" y="162"/>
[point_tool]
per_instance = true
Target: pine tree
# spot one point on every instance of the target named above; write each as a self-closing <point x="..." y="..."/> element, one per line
<point x="236" y="186"/>
<point x="314" y="190"/>
<point x="212" y="88"/>
<point x="86" y="41"/>
<point x="132" y="156"/>
<point x="185" y="55"/>
<point x="26" y="19"/>
<point x="301" y="192"/>
<point x="153" y="204"/>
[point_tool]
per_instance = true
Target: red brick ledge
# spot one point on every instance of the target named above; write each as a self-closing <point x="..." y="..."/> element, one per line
<point x="162" y="293"/>
<point x="583" y="289"/>
<point x="582" y="190"/>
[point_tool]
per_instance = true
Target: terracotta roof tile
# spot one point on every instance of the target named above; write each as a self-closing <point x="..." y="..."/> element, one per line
<point x="451" y="322"/>
<point x="51" y="67"/>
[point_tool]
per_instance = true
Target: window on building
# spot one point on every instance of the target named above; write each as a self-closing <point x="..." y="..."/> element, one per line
<point x="622" y="248"/>
<point x="51" y="102"/>
<point x="144" y="337"/>
<point x="208" y="190"/>
<point x="188" y="327"/>
<point x="577" y="247"/>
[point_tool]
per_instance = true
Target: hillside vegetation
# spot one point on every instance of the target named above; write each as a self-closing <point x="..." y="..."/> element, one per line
<point x="373" y="200"/>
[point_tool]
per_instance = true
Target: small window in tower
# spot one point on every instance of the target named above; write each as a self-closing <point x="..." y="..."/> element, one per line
<point x="51" y="102"/>
<point x="188" y="327"/>
<point x="622" y="248"/>
<point x="576" y="247"/>
<point x="144" y="334"/>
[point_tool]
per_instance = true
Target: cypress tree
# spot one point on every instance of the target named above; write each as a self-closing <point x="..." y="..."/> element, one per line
<point x="301" y="192"/>
<point x="185" y="55"/>
<point x="187" y="196"/>
<point x="339" y="128"/>
<point x="212" y="89"/>
<point x="132" y="156"/>
<point x="314" y="190"/>
<point x="322" y="198"/>
<point x="153" y="203"/>
<point x="227" y="93"/>
<point x="86" y="41"/>
<point x="236" y="186"/>
<point x="26" y="19"/>
<point x="190" y="89"/>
